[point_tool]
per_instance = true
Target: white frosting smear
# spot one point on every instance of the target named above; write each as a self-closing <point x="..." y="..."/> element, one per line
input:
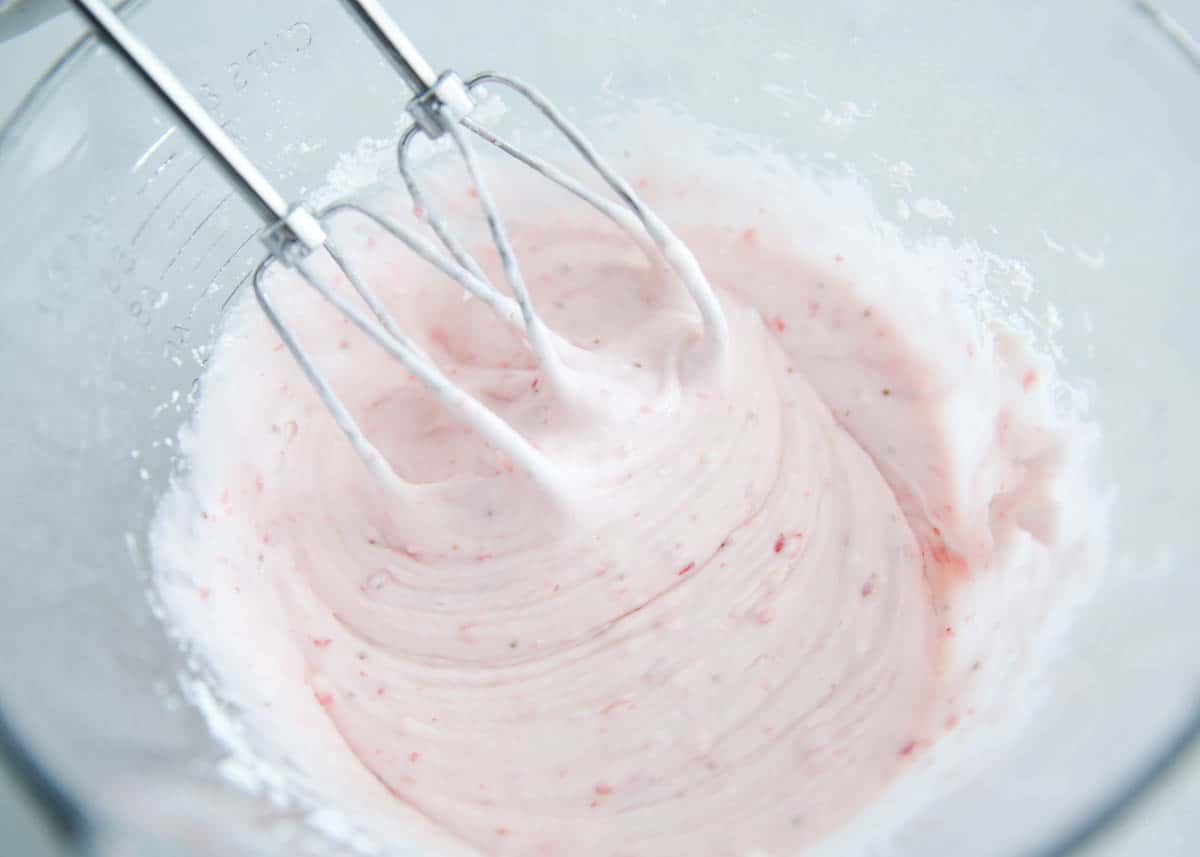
<point x="778" y="582"/>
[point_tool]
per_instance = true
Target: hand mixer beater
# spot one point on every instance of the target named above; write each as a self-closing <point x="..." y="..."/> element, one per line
<point x="441" y="107"/>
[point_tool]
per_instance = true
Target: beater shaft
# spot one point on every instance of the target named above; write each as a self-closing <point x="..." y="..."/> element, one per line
<point x="293" y="224"/>
<point x="439" y="101"/>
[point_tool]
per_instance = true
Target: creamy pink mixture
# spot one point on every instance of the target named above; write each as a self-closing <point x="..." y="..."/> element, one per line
<point x="758" y="607"/>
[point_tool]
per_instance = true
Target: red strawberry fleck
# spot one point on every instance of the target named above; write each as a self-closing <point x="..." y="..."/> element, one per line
<point x="908" y="748"/>
<point x="414" y="757"/>
<point x="324" y="698"/>
<point x="780" y="542"/>
<point x="946" y="557"/>
<point x="615" y="704"/>
<point x="603" y="789"/>
<point x="322" y="643"/>
<point x="686" y="568"/>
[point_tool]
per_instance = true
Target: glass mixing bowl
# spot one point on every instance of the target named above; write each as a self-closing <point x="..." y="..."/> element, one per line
<point x="1064" y="135"/>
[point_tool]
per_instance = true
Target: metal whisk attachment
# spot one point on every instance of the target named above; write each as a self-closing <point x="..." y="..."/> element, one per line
<point x="441" y="107"/>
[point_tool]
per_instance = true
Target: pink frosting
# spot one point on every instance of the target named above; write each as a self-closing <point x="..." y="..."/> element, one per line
<point x="745" y="621"/>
